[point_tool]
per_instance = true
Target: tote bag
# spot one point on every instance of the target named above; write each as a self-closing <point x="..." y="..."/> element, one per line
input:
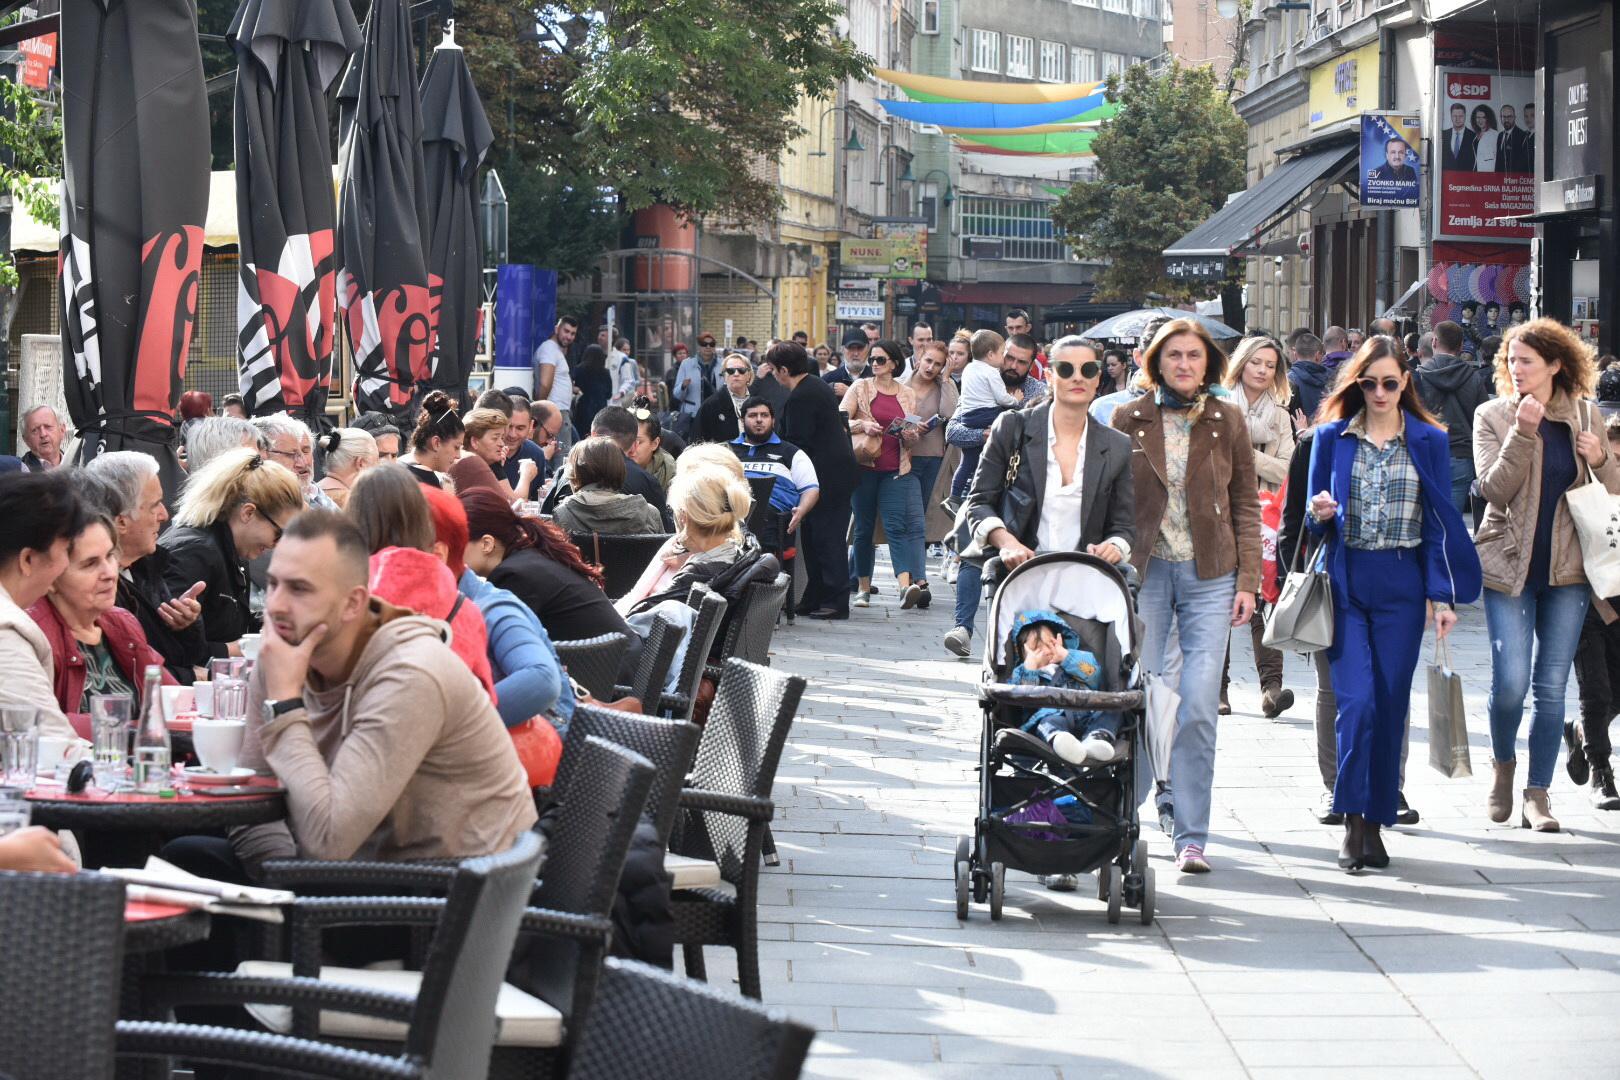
<point x="1302" y="618"/>
<point x="1596" y="514"/>
<point x="1448" y="727"/>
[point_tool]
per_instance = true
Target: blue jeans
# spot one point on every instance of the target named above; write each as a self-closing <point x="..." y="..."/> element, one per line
<point x="1377" y="638"/>
<point x="1462" y="479"/>
<point x="1048" y="722"/>
<point x="978" y="419"/>
<point x="926" y="470"/>
<point x="1549" y="618"/>
<point x="969" y="584"/>
<point x="895" y="497"/>
<point x="1201" y="611"/>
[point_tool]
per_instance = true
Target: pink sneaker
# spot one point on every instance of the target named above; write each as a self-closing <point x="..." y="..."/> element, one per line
<point x="1190" y="860"/>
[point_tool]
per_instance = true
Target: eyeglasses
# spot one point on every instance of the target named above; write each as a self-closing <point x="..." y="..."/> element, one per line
<point x="1390" y="384"/>
<point x="1065" y="370"/>
<point x="300" y="454"/>
<point x="705" y="344"/>
<point x="736" y="371"/>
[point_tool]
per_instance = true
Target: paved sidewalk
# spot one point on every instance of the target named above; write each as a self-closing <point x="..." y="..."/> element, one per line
<point x="1484" y="951"/>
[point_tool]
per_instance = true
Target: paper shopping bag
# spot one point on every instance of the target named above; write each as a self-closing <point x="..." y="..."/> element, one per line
<point x="1448" y="728"/>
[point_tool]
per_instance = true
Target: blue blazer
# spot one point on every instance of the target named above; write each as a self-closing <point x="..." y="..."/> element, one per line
<point x="1451" y="572"/>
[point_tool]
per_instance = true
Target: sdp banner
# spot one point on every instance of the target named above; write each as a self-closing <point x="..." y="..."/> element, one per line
<point x="1390" y="165"/>
<point x="1486" y="150"/>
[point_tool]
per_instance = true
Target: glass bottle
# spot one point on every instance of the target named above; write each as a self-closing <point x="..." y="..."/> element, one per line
<point x="152" y="746"/>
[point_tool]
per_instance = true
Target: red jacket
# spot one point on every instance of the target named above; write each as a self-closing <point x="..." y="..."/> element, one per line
<point x="417" y="580"/>
<point x="124" y="637"/>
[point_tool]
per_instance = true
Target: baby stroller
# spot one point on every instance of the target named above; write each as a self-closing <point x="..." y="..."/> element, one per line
<point x="1021" y="778"/>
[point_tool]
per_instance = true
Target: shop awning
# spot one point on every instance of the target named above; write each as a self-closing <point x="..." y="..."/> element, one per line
<point x="1236" y="227"/>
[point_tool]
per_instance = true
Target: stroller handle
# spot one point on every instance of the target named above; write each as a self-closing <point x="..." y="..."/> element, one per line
<point x="1051" y="697"/>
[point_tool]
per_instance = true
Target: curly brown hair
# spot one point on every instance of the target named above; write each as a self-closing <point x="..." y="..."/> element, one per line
<point x="1556" y="343"/>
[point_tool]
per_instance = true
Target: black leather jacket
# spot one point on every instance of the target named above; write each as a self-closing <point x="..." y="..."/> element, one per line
<point x="209" y="554"/>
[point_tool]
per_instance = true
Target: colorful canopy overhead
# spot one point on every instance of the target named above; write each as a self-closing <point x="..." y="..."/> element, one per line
<point x="933" y="88"/>
<point x="1056" y="120"/>
<point x="994" y="115"/>
<point x="1066" y="143"/>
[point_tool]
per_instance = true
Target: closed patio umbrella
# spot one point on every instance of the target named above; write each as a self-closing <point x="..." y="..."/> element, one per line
<point x="135" y="197"/>
<point x="289" y="53"/>
<point x="455" y="137"/>
<point x="388" y="299"/>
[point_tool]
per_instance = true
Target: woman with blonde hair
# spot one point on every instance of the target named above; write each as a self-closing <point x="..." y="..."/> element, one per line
<point x="347" y="452"/>
<point x="483" y="456"/>
<point x="1536" y="440"/>
<point x="710" y="506"/>
<point x="1197" y="548"/>
<point x="231" y="511"/>
<point x="1258" y="380"/>
<point x="710" y="455"/>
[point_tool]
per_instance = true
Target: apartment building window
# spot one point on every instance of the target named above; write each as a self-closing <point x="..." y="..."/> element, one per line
<point x="1086" y="3"/>
<point x="1023" y="225"/>
<point x="987" y="51"/>
<point x="1121" y="6"/>
<point x="1053" y="54"/>
<point x="1083" y="65"/>
<point x="1113" y="64"/>
<point x="1020" y="57"/>
<point x="930" y="17"/>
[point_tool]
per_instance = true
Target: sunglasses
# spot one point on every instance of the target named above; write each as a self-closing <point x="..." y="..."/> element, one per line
<point x="1390" y="384"/>
<point x="1065" y="370"/>
<point x="736" y="371"/>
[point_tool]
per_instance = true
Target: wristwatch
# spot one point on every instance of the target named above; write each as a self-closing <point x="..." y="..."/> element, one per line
<point x="270" y="710"/>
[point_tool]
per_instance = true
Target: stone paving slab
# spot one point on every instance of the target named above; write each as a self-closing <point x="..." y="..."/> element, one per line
<point x="1484" y="951"/>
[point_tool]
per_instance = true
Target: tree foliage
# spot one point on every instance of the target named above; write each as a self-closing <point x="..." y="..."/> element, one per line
<point x="1164" y="164"/>
<point x="31" y="133"/>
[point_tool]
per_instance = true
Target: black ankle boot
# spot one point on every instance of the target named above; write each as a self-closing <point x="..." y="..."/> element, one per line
<point x="1575" y="764"/>
<point x="1350" y="852"/>
<point x="1604" y="795"/>
<point x="1372" y="846"/>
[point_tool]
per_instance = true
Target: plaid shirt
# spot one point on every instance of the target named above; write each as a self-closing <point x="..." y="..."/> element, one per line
<point x="1386" y="507"/>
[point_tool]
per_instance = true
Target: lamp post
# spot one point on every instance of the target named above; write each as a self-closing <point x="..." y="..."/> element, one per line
<point x="852" y="144"/>
<point x="905" y="177"/>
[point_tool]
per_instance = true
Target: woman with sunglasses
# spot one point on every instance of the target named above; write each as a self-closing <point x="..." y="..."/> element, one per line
<point x="876" y="409"/>
<point x="1381" y="497"/>
<point x="231" y="512"/>
<point x="1533" y="442"/>
<point x="437" y="440"/>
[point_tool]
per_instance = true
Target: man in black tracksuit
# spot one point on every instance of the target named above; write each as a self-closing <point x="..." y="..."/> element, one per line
<point x="1453" y="388"/>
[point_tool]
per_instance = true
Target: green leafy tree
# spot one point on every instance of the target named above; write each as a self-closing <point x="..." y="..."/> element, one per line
<point x="1164" y="164"/>
<point x="31" y="167"/>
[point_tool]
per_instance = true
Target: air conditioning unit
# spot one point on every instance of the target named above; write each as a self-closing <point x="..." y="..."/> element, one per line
<point x="979" y="247"/>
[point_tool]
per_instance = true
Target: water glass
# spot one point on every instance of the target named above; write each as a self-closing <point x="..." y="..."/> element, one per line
<point x="227" y="667"/>
<point x="230" y="699"/>
<point x="15" y="812"/>
<point x="111" y="718"/>
<point x="19" y="745"/>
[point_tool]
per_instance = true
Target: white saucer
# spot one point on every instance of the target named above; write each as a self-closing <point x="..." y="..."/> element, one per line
<point x="196" y="774"/>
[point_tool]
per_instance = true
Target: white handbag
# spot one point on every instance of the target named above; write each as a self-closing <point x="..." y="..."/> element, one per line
<point x="1596" y="514"/>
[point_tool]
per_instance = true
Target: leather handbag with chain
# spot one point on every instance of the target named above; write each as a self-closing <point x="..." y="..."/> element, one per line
<point x="1302" y="618"/>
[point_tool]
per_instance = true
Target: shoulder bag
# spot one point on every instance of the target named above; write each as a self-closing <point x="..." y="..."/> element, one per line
<point x="1596" y="514"/>
<point x="1302" y="618"/>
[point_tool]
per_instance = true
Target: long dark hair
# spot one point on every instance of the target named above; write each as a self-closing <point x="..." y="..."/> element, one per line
<point x="1346" y="398"/>
<point x="488" y="514"/>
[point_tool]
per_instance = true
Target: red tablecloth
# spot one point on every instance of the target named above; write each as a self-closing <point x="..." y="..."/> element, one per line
<point x="141" y="911"/>
<point x="198" y="794"/>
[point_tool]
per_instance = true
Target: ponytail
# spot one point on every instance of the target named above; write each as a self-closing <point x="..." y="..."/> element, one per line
<point x="437" y="419"/>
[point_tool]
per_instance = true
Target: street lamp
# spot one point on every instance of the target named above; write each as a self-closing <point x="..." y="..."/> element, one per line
<point x="852" y="144"/>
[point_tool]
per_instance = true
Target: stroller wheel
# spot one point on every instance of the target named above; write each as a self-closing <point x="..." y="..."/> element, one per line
<point x="998" y="889"/>
<point x="981" y="885"/>
<point x="1116" y="892"/>
<point x="963" y="874"/>
<point x="1139" y="857"/>
<point x="964" y="849"/>
<point x="1146" y="912"/>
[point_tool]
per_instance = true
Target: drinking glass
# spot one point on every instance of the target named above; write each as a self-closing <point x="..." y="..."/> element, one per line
<point x="227" y="667"/>
<point x="19" y="745"/>
<point x="15" y="813"/>
<point x="230" y="699"/>
<point x="111" y="719"/>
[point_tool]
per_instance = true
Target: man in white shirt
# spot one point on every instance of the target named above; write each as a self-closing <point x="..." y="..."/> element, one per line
<point x="552" y="381"/>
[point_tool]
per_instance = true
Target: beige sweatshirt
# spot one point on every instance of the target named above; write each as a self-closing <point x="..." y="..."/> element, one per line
<point x="26" y="668"/>
<point x="407" y="759"/>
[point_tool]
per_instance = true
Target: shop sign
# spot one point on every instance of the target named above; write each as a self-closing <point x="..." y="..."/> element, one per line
<point x="858" y="311"/>
<point x="858" y="289"/>
<point x="1485" y="144"/>
<point x="1343" y="86"/>
<point x="39" y="59"/>
<point x="1390" y="165"/>
<point x="1570" y="196"/>
<point x="884" y="257"/>
<point x="1579" y="90"/>
<point x="1195" y="268"/>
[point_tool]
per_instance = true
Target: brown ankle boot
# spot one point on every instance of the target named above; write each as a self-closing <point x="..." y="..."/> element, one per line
<point x="1500" y="801"/>
<point x="1537" y="813"/>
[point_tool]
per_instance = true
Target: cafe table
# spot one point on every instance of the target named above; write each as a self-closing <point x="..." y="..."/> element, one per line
<point x="121" y="828"/>
<point x="150" y="930"/>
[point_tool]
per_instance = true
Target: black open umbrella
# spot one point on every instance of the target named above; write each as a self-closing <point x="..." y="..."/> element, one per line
<point x="289" y="52"/>
<point x="135" y="183"/>
<point x="455" y="137"/>
<point x="1129" y="326"/>
<point x="388" y="298"/>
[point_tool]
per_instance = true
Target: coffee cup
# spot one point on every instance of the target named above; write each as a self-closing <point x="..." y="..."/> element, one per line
<point x="218" y="743"/>
<point x="203" y="690"/>
<point x="177" y="700"/>
<point x="250" y="645"/>
<point x="53" y="750"/>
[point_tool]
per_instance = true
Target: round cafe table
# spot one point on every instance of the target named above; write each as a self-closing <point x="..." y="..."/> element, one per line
<point x="150" y="927"/>
<point x="122" y="828"/>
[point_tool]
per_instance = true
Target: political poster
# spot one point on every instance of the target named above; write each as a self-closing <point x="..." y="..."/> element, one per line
<point x="1485" y="146"/>
<point x="1390" y="165"/>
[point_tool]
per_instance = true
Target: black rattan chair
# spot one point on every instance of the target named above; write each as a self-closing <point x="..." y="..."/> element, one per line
<point x="622" y="558"/>
<point x="60" y="968"/>
<point x="652" y="665"/>
<point x="648" y="1022"/>
<point x="668" y="744"/>
<point x="726" y="808"/>
<point x="711" y="609"/>
<point x="594" y="662"/>
<point x="752" y="624"/>
<point x="448" y="1024"/>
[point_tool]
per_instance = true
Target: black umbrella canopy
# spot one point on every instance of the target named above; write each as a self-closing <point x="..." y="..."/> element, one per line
<point x="289" y="53"/>
<point x="135" y="198"/>
<point x="1129" y="326"/>
<point x="455" y="137"/>
<point x="388" y="298"/>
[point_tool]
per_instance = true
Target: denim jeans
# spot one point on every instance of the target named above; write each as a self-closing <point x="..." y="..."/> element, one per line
<point x="1549" y="618"/>
<point x="1200" y="611"/>
<point x="1462" y="478"/>
<point x="926" y="470"/>
<point x="1048" y="722"/>
<point x="969" y="586"/>
<point x="895" y="497"/>
<point x="979" y="419"/>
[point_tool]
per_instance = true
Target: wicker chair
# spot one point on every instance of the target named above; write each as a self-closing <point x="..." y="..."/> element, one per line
<point x="711" y="609"/>
<point x="668" y="744"/>
<point x="59" y="975"/>
<point x="648" y="1022"/>
<point x="752" y="623"/>
<point x="652" y="666"/>
<point x="727" y="807"/>
<point x="622" y="558"/>
<point x="594" y="662"/>
<point x="445" y="1017"/>
<point x="564" y="935"/>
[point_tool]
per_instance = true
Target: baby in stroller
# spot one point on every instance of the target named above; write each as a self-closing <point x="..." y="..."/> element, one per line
<point x="1052" y="657"/>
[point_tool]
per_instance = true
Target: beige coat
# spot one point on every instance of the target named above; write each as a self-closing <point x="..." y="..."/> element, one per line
<point x="1271" y="433"/>
<point x="856" y="404"/>
<point x="27" y="668"/>
<point x="1508" y="464"/>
